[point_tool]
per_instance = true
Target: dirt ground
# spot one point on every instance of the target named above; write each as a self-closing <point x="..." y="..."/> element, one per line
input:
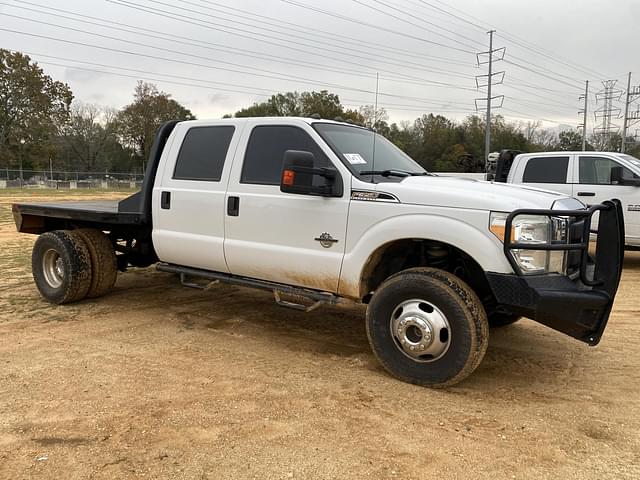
<point x="159" y="381"/>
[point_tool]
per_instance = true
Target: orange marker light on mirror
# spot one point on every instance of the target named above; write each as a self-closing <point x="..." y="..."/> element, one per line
<point x="288" y="177"/>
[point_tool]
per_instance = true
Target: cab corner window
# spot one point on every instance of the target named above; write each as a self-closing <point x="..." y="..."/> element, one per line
<point x="265" y="152"/>
<point x="203" y="152"/>
<point x="546" y="170"/>
<point x="597" y="170"/>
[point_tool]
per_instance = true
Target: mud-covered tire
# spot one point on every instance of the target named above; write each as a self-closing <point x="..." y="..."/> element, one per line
<point x="467" y="327"/>
<point x="499" y="320"/>
<point x="61" y="266"/>
<point x="104" y="265"/>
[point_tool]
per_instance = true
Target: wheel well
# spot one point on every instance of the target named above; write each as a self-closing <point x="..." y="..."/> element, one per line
<point x="399" y="255"/>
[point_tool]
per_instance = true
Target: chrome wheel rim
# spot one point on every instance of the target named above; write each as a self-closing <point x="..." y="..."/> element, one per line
<point x="53" y="268"/>
<point x="420" y="330"/>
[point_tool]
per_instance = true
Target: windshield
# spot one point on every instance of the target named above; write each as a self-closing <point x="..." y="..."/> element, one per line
<point x="356" y="147"/>
<point x="633" y="160"/>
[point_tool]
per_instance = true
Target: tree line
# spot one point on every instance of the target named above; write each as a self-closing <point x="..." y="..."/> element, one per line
<point x="41" y="122"/>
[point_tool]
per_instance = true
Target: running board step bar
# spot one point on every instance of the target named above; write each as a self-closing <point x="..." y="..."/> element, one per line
<point x="278" y="289"/>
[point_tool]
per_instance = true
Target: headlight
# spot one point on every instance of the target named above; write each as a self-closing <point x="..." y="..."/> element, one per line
<point x="533" y="230"/>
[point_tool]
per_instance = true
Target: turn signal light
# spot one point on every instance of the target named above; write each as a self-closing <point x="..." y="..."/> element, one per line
<point x="288" y="177"/>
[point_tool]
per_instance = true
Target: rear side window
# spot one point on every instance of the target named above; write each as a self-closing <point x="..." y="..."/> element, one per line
<point x="202" y="153"/>
<point x="265" y="152"/>
<point x="546" y="170"/>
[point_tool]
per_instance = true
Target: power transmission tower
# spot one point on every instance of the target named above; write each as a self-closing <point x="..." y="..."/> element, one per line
<point x="607" y="112"/>
<point x="492" y="55"/>
<point x="630" y="118"/>
<point x="583" y="112"/>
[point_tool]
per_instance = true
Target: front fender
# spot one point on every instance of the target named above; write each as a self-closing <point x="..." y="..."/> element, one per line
<point x="478" y="244"/>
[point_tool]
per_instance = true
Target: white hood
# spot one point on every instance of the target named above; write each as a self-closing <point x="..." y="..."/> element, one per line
<point x="469" y="193"/>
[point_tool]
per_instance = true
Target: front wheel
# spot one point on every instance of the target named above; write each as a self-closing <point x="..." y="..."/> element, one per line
<point x="427" y="327"/>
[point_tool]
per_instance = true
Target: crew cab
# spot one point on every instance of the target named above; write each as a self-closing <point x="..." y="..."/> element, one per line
<point x="592" y="177"/>
<point x="320" y="212"/>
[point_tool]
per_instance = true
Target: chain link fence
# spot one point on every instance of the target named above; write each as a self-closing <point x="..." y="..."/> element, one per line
<point x="69" y="180"/>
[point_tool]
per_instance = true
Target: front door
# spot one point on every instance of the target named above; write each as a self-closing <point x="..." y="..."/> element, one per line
<point x="595" y="186"/>
<point x="283" y="237"/>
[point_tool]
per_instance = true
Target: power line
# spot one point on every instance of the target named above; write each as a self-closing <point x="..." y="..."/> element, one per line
<point x="333" y="35"/>
<point x="540" y="73"/>
<point x="211" y="26"/>
<point x="266" y="73"/>
<point x="410" y="22"/>
<point x="376" y="27"/>
<point x="511" y="37"/>
<point x="315" y="43"/>
<point x="529" y="116"/>
<point x="559" y="60"/>
<point x="206" y="45"/>
<point x="263" y="92"/>
<point x="137" y="54"/>
<point x="540" y="69"/>
<point x="543" y="69"/>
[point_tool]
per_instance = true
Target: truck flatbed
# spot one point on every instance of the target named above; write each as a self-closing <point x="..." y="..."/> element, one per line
<point x="31" y="217"/>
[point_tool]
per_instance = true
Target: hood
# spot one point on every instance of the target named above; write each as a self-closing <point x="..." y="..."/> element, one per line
<point x="469" y="193"/>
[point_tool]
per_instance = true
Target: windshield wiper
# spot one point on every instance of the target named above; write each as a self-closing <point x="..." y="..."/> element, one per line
<point x="392" y="173"/>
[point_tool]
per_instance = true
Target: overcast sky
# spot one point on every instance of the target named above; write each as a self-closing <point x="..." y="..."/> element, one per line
<point x="215" y="60"/>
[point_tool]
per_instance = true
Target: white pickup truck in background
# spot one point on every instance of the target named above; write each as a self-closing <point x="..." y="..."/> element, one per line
<point x="591" y="177"/>
<point x="322" y="212"/>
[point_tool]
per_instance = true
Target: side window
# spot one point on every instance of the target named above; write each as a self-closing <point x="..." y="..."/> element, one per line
<point x="597" y="170"/>
<point x="202" y="153"/>
<point x="546" y="170"/>
<point x="265" y="152"/>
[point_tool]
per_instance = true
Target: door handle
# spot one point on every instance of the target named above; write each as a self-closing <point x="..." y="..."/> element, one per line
<point x="165" y="200"/>
<point x="586" y="194"/>
<point x="233" y="206"/>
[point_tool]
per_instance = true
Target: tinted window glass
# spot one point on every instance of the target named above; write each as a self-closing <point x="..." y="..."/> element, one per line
<point x="265" y="152"/>
<point x="202" y="153"/>
<point x="597" y="170"/>
<point x="546" y="170"/>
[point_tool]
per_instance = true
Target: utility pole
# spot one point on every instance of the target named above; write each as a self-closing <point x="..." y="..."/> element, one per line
<point x="489" y="84"/>
<point x="629" y="118"/>
<point x="487" y="129"/>
<point x="607" y="112"/>
<point x="584" y="115"/>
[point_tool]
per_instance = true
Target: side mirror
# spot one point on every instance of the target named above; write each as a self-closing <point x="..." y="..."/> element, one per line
<point x="617" y="177"/>
<point x="298" y="174"/>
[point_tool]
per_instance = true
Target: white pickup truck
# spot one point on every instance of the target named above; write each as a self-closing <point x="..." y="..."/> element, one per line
<point x="323" y="212"/>
<point x="592" y="177"/>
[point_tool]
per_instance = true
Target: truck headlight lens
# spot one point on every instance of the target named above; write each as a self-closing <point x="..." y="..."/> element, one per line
<point x="533" y="230"/>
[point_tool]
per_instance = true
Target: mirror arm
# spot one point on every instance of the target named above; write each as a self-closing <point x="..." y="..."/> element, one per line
<point x="325" y="172"/>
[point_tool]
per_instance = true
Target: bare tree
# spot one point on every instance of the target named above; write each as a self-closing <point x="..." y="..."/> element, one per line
<point x="373" y="117"/>
<point x="89" y="130"/>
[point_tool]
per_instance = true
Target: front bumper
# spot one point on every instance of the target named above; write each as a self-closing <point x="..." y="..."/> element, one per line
<point x="578" y="307"/>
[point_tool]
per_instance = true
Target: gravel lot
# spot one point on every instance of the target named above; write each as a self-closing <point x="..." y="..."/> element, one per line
<point x="159" y="381"/>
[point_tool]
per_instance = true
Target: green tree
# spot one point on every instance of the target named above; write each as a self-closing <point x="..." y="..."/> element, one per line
<point x="569" y="140"/>
<point x="305" y="104"/>
<point x="322" y="103"/>
<point x="137" y="123"/>
<point x="33" y="107"/>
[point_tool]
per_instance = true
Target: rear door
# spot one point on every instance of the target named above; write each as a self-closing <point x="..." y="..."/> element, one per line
<point x="595" y="186"/>
<point x="549" y="172"/>
<point x="283" y="237"/>
<point x="189" y="200"/>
